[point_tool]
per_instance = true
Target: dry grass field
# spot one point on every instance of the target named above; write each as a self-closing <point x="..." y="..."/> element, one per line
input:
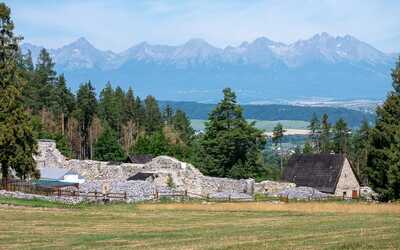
<point x="326" y="225"/>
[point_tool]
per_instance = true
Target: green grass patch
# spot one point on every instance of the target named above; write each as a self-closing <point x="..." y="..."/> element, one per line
<point x="268" y="126"/>
<point x="134" y="227"/>
<point x="31" y="203"/>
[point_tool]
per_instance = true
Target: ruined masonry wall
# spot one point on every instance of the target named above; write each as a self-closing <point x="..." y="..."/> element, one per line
<point x="185" y="176"/>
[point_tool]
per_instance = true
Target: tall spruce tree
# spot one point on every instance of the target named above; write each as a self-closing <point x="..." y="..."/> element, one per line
<point x="86" y="109"/>
<point x="231" y="147"/>
<point x="120" y="102"/>
<point x="325" y="137"/>
<point x="131" y="107"/>
<point x="108" y="108"/>
<point x="341" y="136"/>
<point x="17" y="143"/>
<point x="277" y="136"/>
<point x="44" y="83"/>
<point x="168" y="114"/>
<point x="315" y="132"/>
<point x="383" y="167"/>
<point x="65" y="100"/>
<point x="359" y="150"/>
<point x="182" y="125"/>
<point x="153" y="118"/>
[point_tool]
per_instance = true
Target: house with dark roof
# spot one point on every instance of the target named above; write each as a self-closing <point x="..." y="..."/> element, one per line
<point x="329" y="173"/>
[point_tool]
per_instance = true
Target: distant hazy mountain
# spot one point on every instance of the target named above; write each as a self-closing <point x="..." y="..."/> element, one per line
<point x="322" y="66"/>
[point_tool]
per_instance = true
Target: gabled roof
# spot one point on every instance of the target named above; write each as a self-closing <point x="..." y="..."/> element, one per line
<point x="320" y="171"/>
<point x="53" y="173"/>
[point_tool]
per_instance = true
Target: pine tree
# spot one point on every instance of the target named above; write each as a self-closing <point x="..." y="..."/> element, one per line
<point x="230" y="147"/>
<point x="107" y="147"/>
<point x="153" y="120"/>
<point x="119" y="102"/>
<point x="86" y="109"/>
<point x="325" y="137"/>
<point x="108" y="108"/>
<point x="341" y="135"/>
<point x="183" y="126"/>
<point x="65" y="102"/>
<point x="130" y="128"/>
<point x="17" y="143"/>
<point x="359" y="150"/>
<point x="131" y="112"/>
<point x="168" y="114"/>
<point x="277" y="136"/>
<point x="44" y="83"/>
<point x="315" y="132"/>
<point x="383" y="167"/>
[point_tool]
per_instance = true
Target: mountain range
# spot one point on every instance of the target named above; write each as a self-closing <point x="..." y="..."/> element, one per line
<point x="340" y="67"/>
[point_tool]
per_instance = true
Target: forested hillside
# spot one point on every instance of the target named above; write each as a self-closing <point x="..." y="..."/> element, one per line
<point x="275" y="112"/>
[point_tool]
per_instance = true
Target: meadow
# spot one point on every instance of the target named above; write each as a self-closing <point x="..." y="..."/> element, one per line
<point x="253" y="225"/>
<point x="268" y="126"/>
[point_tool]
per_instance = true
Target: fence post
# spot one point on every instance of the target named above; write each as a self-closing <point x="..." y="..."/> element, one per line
<point x="95" y="195"/>
<point x="229" y="197"/>
<point x="125" y="196"/>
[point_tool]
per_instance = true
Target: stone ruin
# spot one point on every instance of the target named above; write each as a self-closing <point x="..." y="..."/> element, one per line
<point x="166" y="170"/>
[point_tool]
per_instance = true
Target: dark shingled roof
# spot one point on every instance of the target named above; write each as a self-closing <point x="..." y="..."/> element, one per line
<point x="139" y="159"/>
<point x="320" y="171"/>
<point x="141" y="176"/>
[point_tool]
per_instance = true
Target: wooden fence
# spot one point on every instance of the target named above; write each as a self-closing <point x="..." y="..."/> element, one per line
<point x="67" y="190"/>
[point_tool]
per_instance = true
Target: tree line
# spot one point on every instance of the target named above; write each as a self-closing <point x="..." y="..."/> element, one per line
<point x="109" y="127"/>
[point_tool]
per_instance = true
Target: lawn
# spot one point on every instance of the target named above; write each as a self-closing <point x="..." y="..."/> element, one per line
<point x="327" y="225"/>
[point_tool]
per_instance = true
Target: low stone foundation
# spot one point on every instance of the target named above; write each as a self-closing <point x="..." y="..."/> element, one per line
<point x="62" y="199"/>
<point x="272" y="188"/>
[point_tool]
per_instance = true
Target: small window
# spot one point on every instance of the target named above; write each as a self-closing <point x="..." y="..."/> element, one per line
<point x="344" y="194"/>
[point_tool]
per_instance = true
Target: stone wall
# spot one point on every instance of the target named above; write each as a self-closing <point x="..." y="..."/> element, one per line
<point x="135" y="190"/>
<point x="347" y="182"/>
<point x="184" y="176"/>
<point x="48" y="155"/>
<point x="62" y="199"/>
<point x="272" y="188"/>
<point x="100" y="170"/>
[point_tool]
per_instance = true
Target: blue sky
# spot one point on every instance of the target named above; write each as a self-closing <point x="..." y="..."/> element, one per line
<point x="117" y="25"/>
